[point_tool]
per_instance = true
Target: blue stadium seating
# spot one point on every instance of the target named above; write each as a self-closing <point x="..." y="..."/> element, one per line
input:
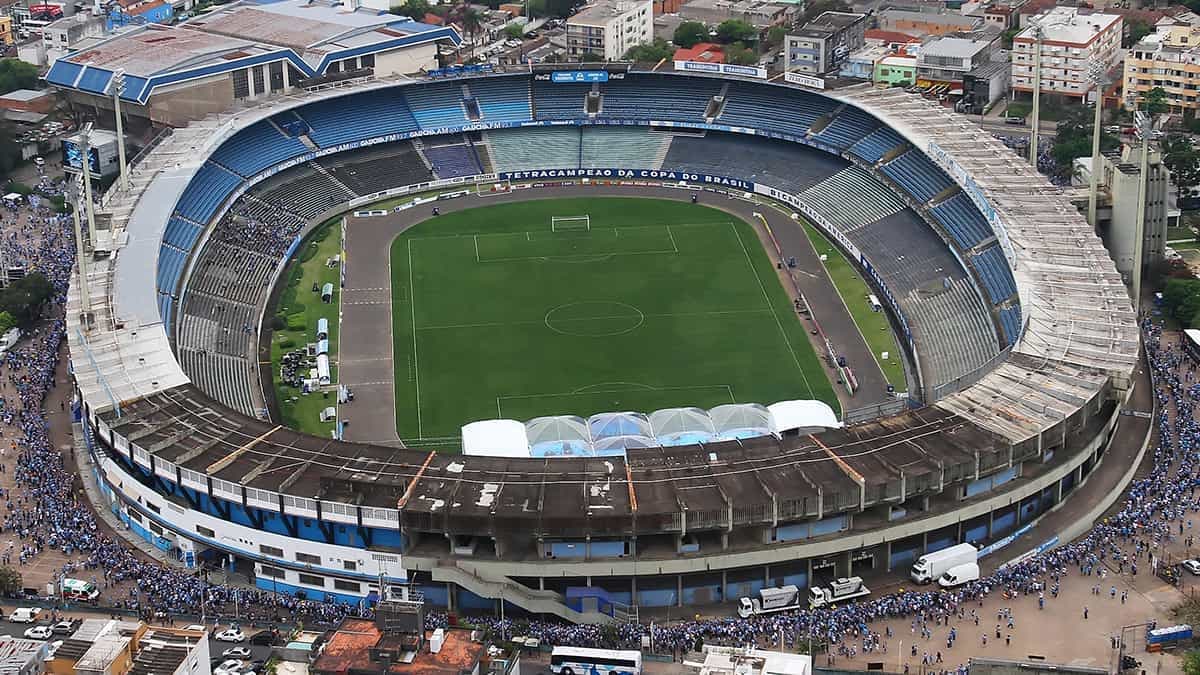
<point x="558" y="101"/>
<point x="170" y="267"/>
<point x="1010" y="321"/>
<point x="451" y="161"/>
<point x="917" y="175"/>
<point x="847" y="128"/>
<point x="875" y="145"/>
<point x="962" y="220"/>
<point x="257" y="147"/>
<point x="291" y="123"/>
<point x="658" y="98"/>
<point x="205" y="193"/>
<point x="181" y="233"/>
<point x="787" y="111"/>
<point x="994" y="273"/>
<point x="356" y="117"/>
<point x="437" y="105"/>
<point x="502" y="99"/>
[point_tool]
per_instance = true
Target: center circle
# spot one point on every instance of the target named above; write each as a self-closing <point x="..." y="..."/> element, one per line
<point x="594" y="318"/>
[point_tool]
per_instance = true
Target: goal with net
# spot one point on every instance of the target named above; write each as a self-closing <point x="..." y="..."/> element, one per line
<point x="570" y="223"/>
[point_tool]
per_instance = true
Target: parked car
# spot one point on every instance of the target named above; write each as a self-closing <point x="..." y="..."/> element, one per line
<point x="1192" y="566"/>
<point x="63" y="627"/>
<point x="264" y="638"/>
<point x="24" y="615"/>
<point x="231" y="635"/>
<point x="1014" y="120"/>
<point x="38" y="633"/>
<point x="236" y="653"/>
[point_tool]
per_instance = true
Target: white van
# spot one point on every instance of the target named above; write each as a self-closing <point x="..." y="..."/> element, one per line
<point x="957" y="576"/>
<point x="24" y="615"/>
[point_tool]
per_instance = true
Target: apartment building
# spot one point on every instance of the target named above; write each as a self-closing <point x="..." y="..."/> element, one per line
<point x="609" y="28"/>
<point x="1168" y="58"/>
<point x="823" y="43"/>
<point x="1071" y="42"/>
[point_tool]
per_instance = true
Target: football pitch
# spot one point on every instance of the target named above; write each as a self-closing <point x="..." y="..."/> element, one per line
<point x="505" y="312"/>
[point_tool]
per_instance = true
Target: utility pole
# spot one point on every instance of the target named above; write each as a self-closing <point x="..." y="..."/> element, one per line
<point x="1097" y="76"/>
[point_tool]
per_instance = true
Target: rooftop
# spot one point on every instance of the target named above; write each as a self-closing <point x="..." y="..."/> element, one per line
<point x="706" y="52"/>
<point x="349" y="648"/>
<point x="835" y="20"/>
<point x="16" y="653"/>
<point x="600" y="12"/>
<point x="946" y="18"/>
<point x="308" y="33"/>
<point x="953" y="47"/>
<point x="1068" y="25"/>
<point x="889" y="36"/>
<point x="27" y="94"/>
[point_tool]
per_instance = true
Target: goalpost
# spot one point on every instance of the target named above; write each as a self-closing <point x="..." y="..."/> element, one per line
<point x="570" y="223"/>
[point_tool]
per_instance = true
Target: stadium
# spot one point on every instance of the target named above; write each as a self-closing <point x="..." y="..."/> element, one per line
<point x="1020" y="337"/>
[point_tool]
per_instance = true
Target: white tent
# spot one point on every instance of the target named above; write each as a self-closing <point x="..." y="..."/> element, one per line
<point x="323" y="368"/>
<point x="495" y="438"/>
<point x="805" y="416"/>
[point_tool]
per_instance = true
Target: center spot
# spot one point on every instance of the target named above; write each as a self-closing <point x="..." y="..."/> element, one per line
<point x="594" y="318"/>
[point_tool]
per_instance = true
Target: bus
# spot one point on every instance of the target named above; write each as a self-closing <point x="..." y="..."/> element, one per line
<point x="78" y="589"/>
<point x="582" y="661"/>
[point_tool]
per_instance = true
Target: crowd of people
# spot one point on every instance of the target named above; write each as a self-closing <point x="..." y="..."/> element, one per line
<point x="44" y="510"/>
<point x="259" y="225"/>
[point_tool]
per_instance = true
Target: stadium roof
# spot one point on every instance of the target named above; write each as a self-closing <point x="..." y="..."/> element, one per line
<point x="309" y="34"/>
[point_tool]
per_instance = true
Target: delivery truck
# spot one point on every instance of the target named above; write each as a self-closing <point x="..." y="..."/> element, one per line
<point x="957" y="576"/>
<point x="840" y="590"/>
<point x="930" y="566"/>
<point x="769" y="601"/>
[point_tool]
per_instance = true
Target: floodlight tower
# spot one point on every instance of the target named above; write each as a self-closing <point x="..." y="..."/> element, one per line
<point x="1038" y="35"/>
<point x="1096" y="73"/>
<point x="74" y="190"/>
<point x="1145" y="126"/>
<point x="117" y="87"/>
<point x="85" y="169"/>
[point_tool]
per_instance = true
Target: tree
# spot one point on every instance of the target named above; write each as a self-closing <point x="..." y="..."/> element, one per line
<point x="11" y="582"/>
<point x="24" y="298"/>
<point x="1006" y="38"/>
<point x="1191" y="662"/>
<point x="1154" y="102"/>
<point x="735" y="30"/>
<point x="740" y="55"/>
<point x="590" y="57"/>
<point x="1073" y="138"/>
<point x="650" y="52"/>
<point x="1138" y="29"/>
<point x="16" y="74"/>
<point x="1182" y="160"/>
<point x="776" y="35"/>
<point x="514" y="31"/>
<point x="689" y="34"/>
<point x="414" y="9"/>
<point x="558" y="9"/>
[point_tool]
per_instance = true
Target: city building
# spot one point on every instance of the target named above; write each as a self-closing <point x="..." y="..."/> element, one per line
<point x="609" y="28"/>
<point x="66" y="35"/>
<point x="174" y="74"/>
<point x="761" y="15"/>
<point x="19" y="656"/>
<point x="926" y="23"/>
<point x="396" y="642"/>
<point x="891" y="38"/>
<point x="704" y="52"/>
<point x="897" y="70"/>
<point x="1120" y="172"/>
<point x="984" y="85"/>
<point x="721" y="660"/>
<point x="946" y="60"/>
<point x="823" y="43"/>
<point x="1071" y="42"/>
<point x="1168" y="58"/>
<point x="860" y="65"/>
<point x="115" y="647"/>
<point x="131" y="12"/>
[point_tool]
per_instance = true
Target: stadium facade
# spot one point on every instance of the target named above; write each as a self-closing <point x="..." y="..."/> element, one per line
<point x="1021" y="335"/>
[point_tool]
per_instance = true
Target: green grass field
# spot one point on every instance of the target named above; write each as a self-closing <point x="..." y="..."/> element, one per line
<point x="298" y="310"/>
<point x="660" y="304"/>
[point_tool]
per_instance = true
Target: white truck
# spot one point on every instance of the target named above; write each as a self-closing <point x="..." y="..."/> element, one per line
<point x="769" y="601"/>
<point x="930" y="566"/>
<point x="957" y="576"/>
<point x="840" y="590"/>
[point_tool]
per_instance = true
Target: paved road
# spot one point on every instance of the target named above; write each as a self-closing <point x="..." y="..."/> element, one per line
<point x="366" y="344"/>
